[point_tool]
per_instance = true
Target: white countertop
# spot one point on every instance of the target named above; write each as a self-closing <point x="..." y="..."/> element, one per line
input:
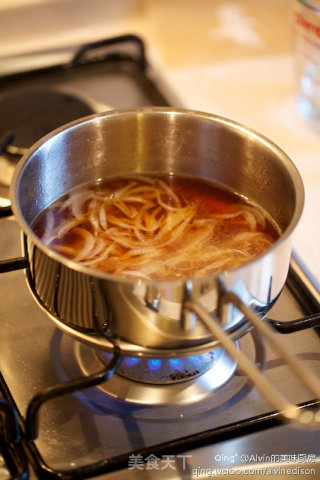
<point x="231" y="58"/>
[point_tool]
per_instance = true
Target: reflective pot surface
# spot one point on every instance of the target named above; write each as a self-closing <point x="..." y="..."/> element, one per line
<point x="98" y="307"/>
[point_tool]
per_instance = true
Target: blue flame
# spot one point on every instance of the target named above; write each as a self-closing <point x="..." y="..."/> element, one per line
<point x="195" y="358"/>
<point x="131" y="361"/>
<point x="154" y="364"/>
<point x="176" y="363"/>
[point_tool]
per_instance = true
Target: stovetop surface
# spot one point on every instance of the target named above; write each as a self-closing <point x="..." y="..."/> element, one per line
<point x="89" y="426"/>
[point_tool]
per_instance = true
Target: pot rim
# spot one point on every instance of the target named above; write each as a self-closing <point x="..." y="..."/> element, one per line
<point x="288" y="163"/>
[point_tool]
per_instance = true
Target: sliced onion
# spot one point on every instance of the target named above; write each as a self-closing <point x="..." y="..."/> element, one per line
<point x="126" y="210"/>
<point x="144" y="229"/>
<point x="66" y="250"/>
<point x="77" y="201"/>
<point x="100" y="258"/>
<point x="66" y="227"/>
<point x="48" y="230"/>
<point x="119" y="222"/>
<point x="170" y="193"/>
<point x="119" y="193"/>
<point x="103" y="217"/>
<point x="88" y="246"/>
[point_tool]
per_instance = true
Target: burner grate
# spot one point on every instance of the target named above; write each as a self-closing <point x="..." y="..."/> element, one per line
<point x="32" y="113"/>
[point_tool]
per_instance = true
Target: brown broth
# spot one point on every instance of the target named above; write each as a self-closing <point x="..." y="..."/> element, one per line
<point x="156" y="227"/>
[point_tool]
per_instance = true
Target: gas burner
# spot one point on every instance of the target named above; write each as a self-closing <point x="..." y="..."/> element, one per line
<point x="160" y="381"/>
<point x="164" y="371"/>
<point x="30" y="114"/>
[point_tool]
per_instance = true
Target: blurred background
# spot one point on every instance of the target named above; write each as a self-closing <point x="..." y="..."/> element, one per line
<point x="232" y="58"/>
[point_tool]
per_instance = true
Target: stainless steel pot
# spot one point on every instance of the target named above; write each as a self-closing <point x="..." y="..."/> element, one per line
<point x="99" y="308"/>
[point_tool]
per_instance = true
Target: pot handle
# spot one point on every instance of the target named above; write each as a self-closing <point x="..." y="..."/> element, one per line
<point x="290" y="412"/>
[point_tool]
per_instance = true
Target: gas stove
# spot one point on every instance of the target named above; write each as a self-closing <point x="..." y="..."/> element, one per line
<point x="193" y="417"/>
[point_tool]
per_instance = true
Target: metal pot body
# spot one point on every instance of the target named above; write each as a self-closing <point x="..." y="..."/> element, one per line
<point x="97" y="307"/>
